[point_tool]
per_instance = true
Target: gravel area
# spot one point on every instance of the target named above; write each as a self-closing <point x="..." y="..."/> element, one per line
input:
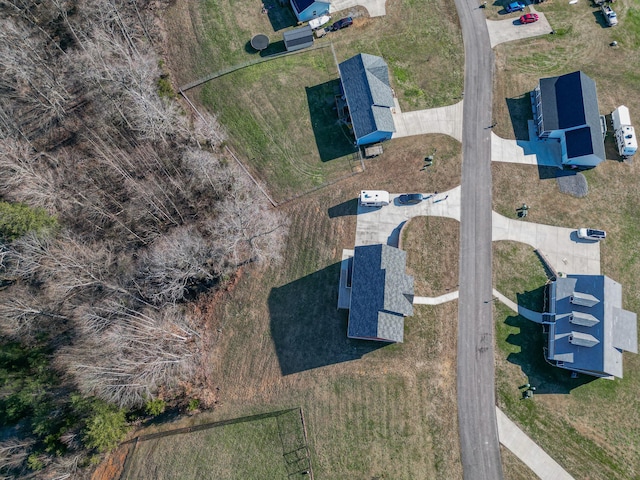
<point x="574" y="185"/>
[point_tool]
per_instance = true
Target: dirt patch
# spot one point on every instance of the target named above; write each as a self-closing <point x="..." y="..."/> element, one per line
<point x="112" y="467"/>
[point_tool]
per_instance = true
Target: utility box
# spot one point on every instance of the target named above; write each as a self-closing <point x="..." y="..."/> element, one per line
<point x="625" y="135"/>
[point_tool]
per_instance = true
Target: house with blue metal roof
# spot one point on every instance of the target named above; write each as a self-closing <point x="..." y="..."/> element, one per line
<point x="367" y="91"/>
<point x="565" y="109"/>
<point x="586" y="327"/>
<point x="377" y="292"/>
<point x="306" y="10"/>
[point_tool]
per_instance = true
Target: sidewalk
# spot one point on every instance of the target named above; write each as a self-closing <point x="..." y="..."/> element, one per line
<point x="447" y="297"/>
<point x="534" y="457"/>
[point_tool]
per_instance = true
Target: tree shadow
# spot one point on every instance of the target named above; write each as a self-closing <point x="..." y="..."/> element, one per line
<point x="280" y="14"/>
<point x="333" y="138"/>
<point x="308" y="330"/>
<point x="545" y="377"/>
<point x="520" y="112"/>
<point x="344" y="209"/>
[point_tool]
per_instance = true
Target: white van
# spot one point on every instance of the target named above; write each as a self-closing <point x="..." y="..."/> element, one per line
<point x="374" y="198"/>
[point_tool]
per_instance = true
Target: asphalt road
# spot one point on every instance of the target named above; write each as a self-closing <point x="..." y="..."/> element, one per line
<point x="479" y="443"/>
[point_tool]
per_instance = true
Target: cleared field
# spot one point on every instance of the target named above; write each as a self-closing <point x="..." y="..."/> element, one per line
<point x="256" y="448"/>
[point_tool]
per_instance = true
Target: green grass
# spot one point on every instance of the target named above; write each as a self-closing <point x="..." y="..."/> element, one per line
<point x="248" y="450"/>
<point x="280" y="115"/>
<point x="519" y="274"/>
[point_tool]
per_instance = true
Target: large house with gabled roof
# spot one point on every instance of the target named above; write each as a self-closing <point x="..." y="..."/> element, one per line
<point x="377" y="292"/>
<point x="586" y="327"/>
<point x="367" y="91"/>
<point x="565" y="109"/>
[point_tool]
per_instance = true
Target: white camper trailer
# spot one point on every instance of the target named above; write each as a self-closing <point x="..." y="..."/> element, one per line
<point x="625" y="135"/>
<point x="374" y="198"/>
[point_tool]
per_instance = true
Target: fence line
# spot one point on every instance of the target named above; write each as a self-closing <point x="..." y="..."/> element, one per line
<point x="264" y="192"/>
<point x="220" y="73"/>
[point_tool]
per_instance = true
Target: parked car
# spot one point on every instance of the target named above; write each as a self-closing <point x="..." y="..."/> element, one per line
<point x="514" y="7"/>
<point x="342" y="23"/>
<point x="591" y="234"/>
<point x="529" y="18"/>
<point x="410" y="198"/>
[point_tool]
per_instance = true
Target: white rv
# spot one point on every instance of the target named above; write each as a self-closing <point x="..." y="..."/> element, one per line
<point x="374" y="198"/>
<point x="625" y="134"/>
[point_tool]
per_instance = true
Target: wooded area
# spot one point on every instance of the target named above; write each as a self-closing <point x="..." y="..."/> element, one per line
<point x="123" y="210"/>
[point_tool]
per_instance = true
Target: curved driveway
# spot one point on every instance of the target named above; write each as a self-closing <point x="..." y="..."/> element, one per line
<point x="479" y="444"/>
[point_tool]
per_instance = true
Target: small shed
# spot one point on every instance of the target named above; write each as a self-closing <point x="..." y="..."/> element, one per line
<point x="306" y="10"/>
<point x="298" y="38"/>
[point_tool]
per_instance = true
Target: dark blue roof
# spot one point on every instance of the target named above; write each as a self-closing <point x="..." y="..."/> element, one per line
<point x="301" y="5"/>
<point x="579" y="142"/>
<point x="590" y="329"/>
<point x="381" y="293"/>
<point x="570" y="101"/>
<point x="365" y="81"/>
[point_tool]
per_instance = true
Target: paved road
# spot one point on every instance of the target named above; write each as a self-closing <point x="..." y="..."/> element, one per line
<point x="479" y="444"/>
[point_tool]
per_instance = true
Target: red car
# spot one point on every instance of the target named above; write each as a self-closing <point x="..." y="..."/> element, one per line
<point x="529" y="18"/>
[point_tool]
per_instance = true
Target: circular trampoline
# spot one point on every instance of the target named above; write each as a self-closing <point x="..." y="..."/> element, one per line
<point x="260" y="42"/>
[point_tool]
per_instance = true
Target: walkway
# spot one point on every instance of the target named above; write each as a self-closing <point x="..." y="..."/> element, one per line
<point x="527" y="451"/>
<point x="447" y="297"/>
<point x="519" y="309"/>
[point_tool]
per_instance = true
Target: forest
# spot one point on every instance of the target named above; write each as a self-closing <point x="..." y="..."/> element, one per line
<point x="119" y="211"/>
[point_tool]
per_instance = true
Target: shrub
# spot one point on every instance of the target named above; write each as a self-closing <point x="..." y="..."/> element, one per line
<point x="106" y="427"/>
<point x="194" y="403"/>
<point x="16" y="219"/>
<point x="155" y="406"/>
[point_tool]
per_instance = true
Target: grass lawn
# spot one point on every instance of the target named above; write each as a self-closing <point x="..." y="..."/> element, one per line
<point x="518" y="274"/>
<point x="247" y="449"/>
<point x="279" y="115"/>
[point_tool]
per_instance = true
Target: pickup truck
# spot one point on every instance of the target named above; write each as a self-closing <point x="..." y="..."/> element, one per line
<point x="609" y="15"/>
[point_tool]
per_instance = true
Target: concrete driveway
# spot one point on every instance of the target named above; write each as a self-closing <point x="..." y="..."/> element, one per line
<point x="510" y="29"/>
<point x="376" y="8"/>
<point x="383" y="224"/>
<point x="559" y="245"/>
<point x="447" y="120"/>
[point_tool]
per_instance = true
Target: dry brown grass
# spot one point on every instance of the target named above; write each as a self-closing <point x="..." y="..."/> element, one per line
<point x="432" y="246"/>
<point x="513" y="467"/>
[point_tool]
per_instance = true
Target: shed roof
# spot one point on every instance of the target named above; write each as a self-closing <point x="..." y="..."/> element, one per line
<point x="570" y="101"/>
<point x="381" y="293"/>
<point x="365" y="80"/>
<point x="298" y="36"/>
<point x="591" y="329"/>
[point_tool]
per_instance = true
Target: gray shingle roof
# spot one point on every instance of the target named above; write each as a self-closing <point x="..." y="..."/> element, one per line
<point x="381" y="293"/>
<point x="591" y="329"/>
<point x="570" y="101"/>
<point x="365" y="81"/>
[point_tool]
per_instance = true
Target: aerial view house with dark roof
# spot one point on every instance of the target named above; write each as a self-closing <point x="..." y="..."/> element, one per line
<point x="586" y="327"/>
<point x="306" y="10"/>
<point x="365" y="85"/>
<point x="377" y="292"/>
<point x="565" y="108"/>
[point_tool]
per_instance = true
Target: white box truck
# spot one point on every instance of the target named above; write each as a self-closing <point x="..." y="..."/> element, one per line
<point x="625" y="134"/>
<point x="374" y="198"/>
